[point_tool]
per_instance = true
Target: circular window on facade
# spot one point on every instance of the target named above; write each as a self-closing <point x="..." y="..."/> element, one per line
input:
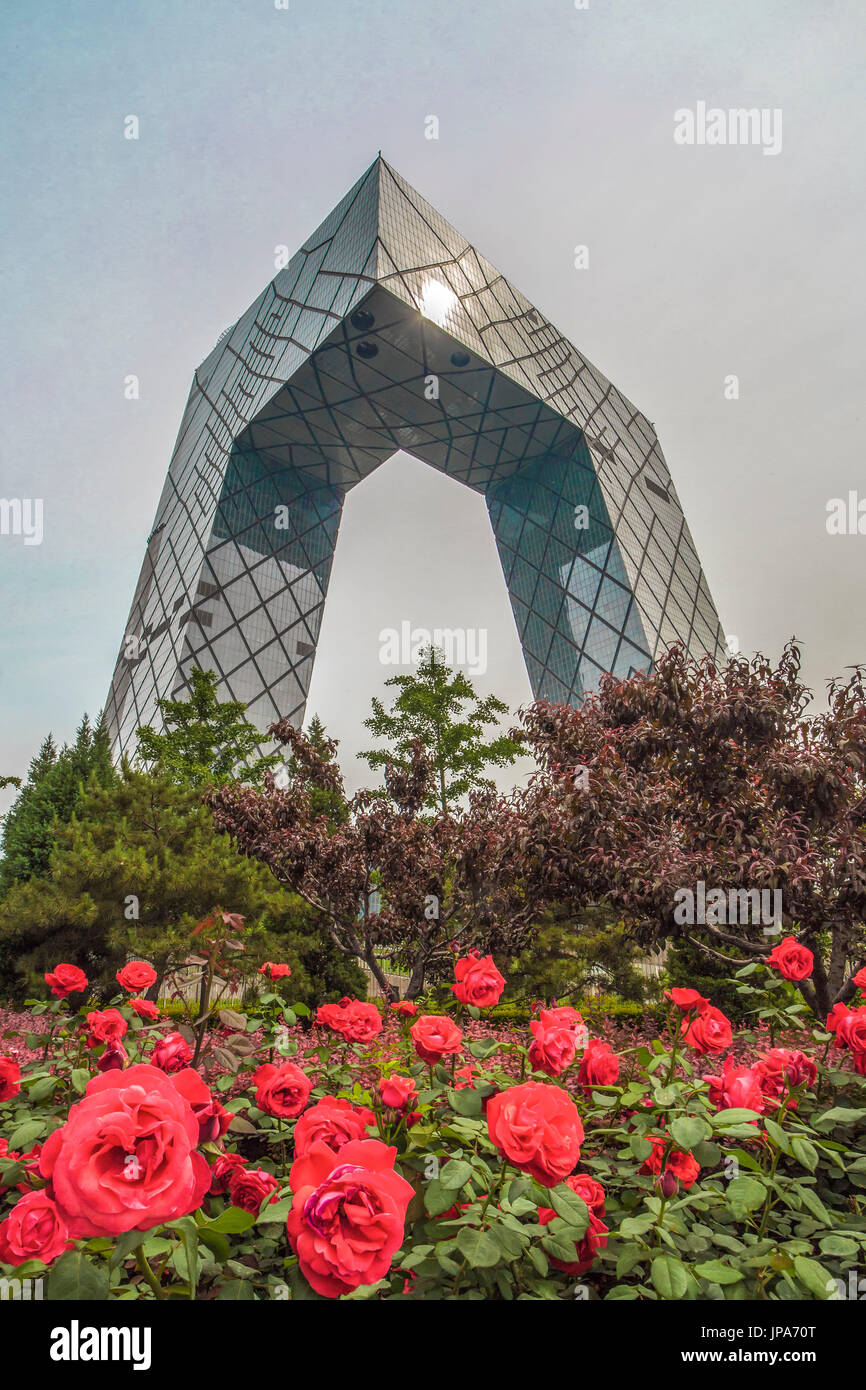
<point x="363" y="320"/>
<point x="460" y="359"/>
<point x="366" y="349"/>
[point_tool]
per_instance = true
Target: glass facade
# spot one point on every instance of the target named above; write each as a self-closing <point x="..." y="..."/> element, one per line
<point x="388" y="331"/>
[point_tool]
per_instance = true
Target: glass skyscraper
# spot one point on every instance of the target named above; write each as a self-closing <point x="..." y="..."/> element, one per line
<point x="388" y="331"/>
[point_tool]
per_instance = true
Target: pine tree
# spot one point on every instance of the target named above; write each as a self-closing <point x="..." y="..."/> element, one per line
<point x="132" y="873"/>
<point x="439" y="708"/>
<point x="56" y="783"/>
<point x="206" y="741"/>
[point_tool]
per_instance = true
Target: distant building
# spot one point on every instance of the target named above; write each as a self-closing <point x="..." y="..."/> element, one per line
<point x="388" y="331"/>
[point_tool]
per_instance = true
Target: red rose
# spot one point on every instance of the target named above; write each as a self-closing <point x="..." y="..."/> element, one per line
<point x="222" y="1170"/>
<point x="851" y="1030"/>
<point x="537" y="1128"/>
<point x="709" y="1031"/>
<point x="172" y="1053"/>
<point x="274" y="971"/>
<point x="590" y="1189"/>
<point x="282" y="1090"/>
<point x="835" y="1017"/>
<point x="436" y="1036"/>
<point x="114" y="1058"/>
<point x="145" y="1009"/>
<point x="478" y="981"/>
<point x="348" y="1215"/>
<point x="248" y="1188"/>
<point x="596" y="1234"/>
<point x="125" y="1159"/>
<point x="397" y="1092"/>
<point x="736" y="1088"/>
<point x="686" y="999"/>
<point x="793" y="962"/>
<point x="677" y="1164"/>
<point x="599" y="1065"/>
<point x="66" y="979"/>
<point x="136" y="976"/>
<point x="333" y="1122"/>
<point x="362" y="1022"/>
<point x="356" y="1021"/>
<point x="33" y="1230"/>
<point x="564" y="1015"/>
<point x="553" y="1045"/>
<point x="104" y="1027"/>
<point x="10" y="1076"/>
<point x="213" y="1119"/>
<point x="860" y="978"/>
<point x="781" y="1068"/>
<point x="404" y="1008"/>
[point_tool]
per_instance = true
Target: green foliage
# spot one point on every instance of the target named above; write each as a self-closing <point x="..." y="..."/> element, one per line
<point x="569" y="955"/>
<point x="440" y="709"/>
<point x="688" y="967"/>
<point x="205" y="741"/>
<point x="55" y="784"/>
<point x="324" y="800"/>
<point x="132" y="873"/>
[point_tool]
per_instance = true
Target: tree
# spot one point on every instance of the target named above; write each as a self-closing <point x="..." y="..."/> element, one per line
<point x="132" y="873"/>
<point x="314" y="765"/>
<point x="55" y="785"/>
<point x="698" y="777"/>
<point x="206" y="741"/>
<point x="439" y="710"/>
<point x="571" y="954"/>
<point x="389" y="879"/>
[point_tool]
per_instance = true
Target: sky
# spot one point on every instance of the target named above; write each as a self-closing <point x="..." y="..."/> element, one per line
<point x="556" y="129"/>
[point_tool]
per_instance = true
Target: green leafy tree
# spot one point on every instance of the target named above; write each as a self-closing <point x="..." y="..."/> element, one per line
<point x="132" y="874"/>
<point x="205" y="741"/>
<point x="314" y="765"/>
<point x="570" y="956"/>
<point x="438" y="710"/>
<point x="55" y="786"/>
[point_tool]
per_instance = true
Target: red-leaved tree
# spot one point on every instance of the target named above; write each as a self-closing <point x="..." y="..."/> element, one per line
<point x="388" y="880"/>
<point x="709" y="773"/>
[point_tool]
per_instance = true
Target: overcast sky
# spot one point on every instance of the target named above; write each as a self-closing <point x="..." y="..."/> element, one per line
<point x="556" y="130"/>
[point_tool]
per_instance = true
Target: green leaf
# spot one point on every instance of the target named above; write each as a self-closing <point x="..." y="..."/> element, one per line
<point x="813" y="1203"/>
<point x="736" y="1116"/>
<point x="687" y="1131"/>
<point x="126" y="1244"/>
<point x="478" y="1248"/>
<point x="669" y="1277"/>
<point x="79" y="1076"/>
<point x="840" y="1115"/>
<point x="437" y="1199"/>
<point x="465" y="1101"/>
<point x="455" y="1174"/>
<point x="24" y="1137"/>
<point x="805" y="1153"/>
<point x="814" y="1277"/>
<point x="276" y="1213"/>
<point x="718" y="1272"/>
<point x="838" y="1245"/>
<point x="231" y="1221"/>
<point x="570" y="1207"/>
<point x="746" y="1194"/>
<point x="238" y="1291"/>
<point x="640" y="1147"/>
<point x="74" y="1279"/>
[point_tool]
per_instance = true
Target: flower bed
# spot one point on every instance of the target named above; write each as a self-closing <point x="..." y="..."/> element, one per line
<point x="392" y="1154"/>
